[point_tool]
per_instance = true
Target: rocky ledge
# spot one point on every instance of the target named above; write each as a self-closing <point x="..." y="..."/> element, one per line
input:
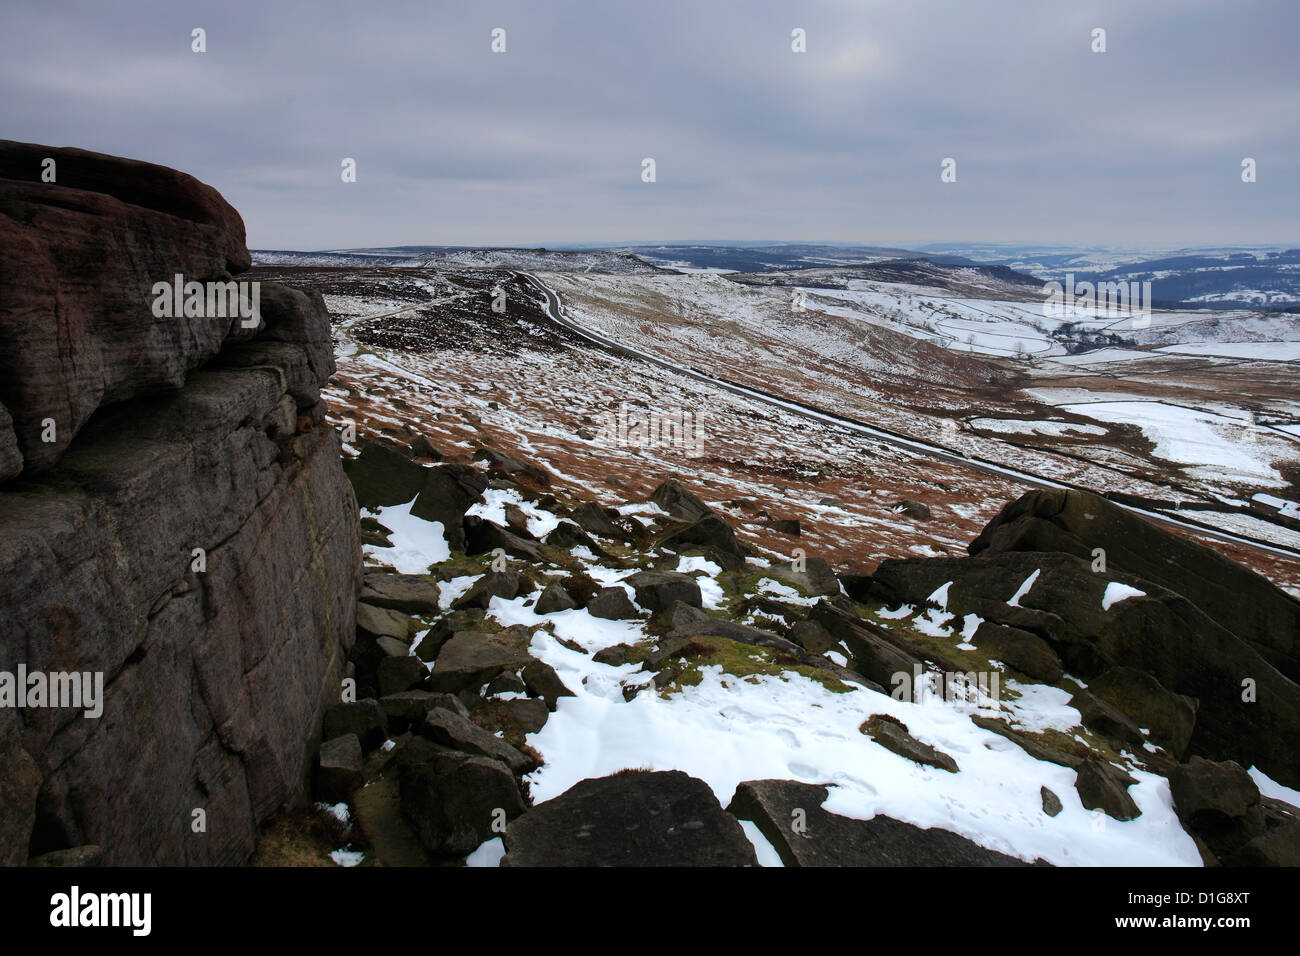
<point x="174" y="518"/>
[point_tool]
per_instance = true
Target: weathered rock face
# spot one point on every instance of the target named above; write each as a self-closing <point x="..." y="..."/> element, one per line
<point x="218" y="663"/>
<point x="81" y="255"/>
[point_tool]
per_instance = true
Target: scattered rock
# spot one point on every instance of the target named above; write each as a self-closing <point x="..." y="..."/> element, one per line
<point x="1028" y="744"/>
<point x="452" y="800"/>
<point x="681" y="504"/>
<point x="514" y="467"/>
<point x="892" y="734"/>
<point x="542" y="681"/>
<point x="708" y="532"/>
<point x="1104" y="787"/>
<point x="913" y="509"/>
<point x="392" y="647"/>
<point x="699" y="624"/>
<point x="448" y="491"/>
<point x="454" y="731"/>
<point x="657" y="590"/>
<point x="529" y="715"/>
<point x="364" y="719"/>
<point x="409" y="707"/>
<point x="470" y="659"/>
<point x="612" y="604"/>
<point x="507" y="682"/>
<point x="517" y="521"/>
<point x="554" y="598"/>
<point x="567" y="536"/>
<point x="615" y="656"/>
<point x="856" y="585"/>
<point x="383" y="622"/>
<point x="1160" y="633"/>
<point x="502" y="584"/>
<point x="1051" y="802"/>
<point x="411" y="593"/>
<point x="396" y="674"/>
<point x="591" y="518"/>
<point x="817" y="578"/>
<point x="383" y="475"/>
<point x="421" y="447"/>
<point x="447" y="625"/>
<point x="874" y="654"/>
<point x="485" y="537"/>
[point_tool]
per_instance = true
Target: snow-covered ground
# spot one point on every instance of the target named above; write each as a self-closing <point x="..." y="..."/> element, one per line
<point x="1217" y="447"/>
<point x="728" y="729"/>
<point x="1256" y="351"/>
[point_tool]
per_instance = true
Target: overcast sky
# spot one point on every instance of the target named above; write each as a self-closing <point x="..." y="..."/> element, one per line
<point x="544" y="143"/>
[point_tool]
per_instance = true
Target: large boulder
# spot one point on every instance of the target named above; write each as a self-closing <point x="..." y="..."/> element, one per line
<point x="470" y="659"/>
<point x="384" y="474"/>
<point x="708" y="533"/>
<point x="452" y="730"/>
<point x="1218" y="803"/>
<point x="449" y="491"/>
<point x="658" y="590"/>
<point x="455" y="801"/>
<point x="1248" y="710"/>
<point x="790" y="815"/>
<point x="412" y="593"/>
<point x="633" y="818"/>
<point x="681" y="503"/>
<point x="1231" y="595"/>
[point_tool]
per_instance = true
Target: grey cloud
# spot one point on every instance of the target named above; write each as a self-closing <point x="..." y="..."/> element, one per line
<point x="544" y="143"/>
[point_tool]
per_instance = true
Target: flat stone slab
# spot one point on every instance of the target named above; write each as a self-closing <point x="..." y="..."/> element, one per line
<point x="790" y="815"/>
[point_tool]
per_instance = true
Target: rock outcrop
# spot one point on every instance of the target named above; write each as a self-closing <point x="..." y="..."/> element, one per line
<point x="1213" y="670"/>
<point x="1231" y="595"/>
<point x="184" y="528"/>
